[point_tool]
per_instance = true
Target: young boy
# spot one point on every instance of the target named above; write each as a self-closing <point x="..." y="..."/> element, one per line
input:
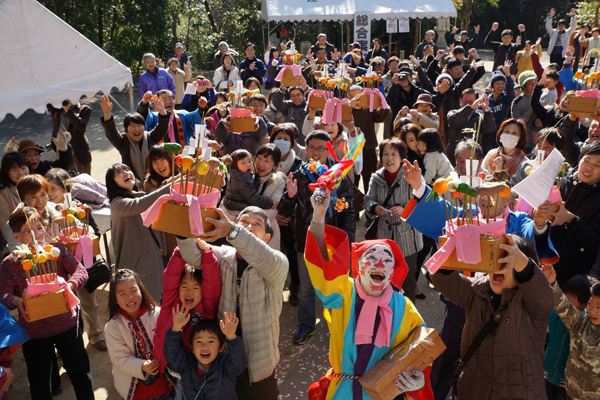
<point x="550" y="94"/>
<point x="577" y="290"/>
<point x="583" y="366"/>
<point x="206" y="372"/>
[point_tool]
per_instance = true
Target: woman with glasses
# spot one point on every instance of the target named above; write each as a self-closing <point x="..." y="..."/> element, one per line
<point x="388" y="194"/>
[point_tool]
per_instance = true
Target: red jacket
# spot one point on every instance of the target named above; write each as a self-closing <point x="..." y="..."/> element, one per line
<point x="211" y="293"/>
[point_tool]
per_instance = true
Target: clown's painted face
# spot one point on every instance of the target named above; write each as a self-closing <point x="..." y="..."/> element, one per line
<point x="375" y="269"/>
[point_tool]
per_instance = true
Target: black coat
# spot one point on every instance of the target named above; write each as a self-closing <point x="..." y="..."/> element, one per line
<point x="303" y="208"/>
<point x="398" y="98"/>
<point x="241" y="192"/>
<point x="577" y="242"/>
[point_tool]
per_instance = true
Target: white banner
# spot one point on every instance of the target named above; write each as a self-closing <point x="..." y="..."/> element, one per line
<point x="362" y="29"/>
<point x="392" y="25"/>
<point x="403" y="25"/>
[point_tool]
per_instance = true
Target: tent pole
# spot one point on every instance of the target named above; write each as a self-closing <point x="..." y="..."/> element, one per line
<point x="130" y="90"/>
<point x="117" y="103"/>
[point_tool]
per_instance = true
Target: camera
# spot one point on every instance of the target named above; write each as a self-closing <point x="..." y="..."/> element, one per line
<point x="65" y="103"/>
<point x="202" y="83"/>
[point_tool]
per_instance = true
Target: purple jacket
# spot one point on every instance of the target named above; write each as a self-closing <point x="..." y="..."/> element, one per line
<point x="149" y="82"/>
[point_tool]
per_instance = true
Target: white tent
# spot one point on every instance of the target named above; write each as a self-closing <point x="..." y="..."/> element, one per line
<point x="44" y="60"/>
<point x="343" y="10"/>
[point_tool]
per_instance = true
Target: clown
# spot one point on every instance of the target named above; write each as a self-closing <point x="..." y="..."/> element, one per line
<point x="366" y="317"/>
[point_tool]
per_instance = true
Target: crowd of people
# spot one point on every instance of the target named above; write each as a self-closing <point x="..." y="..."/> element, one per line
<point x="199" y="318"/>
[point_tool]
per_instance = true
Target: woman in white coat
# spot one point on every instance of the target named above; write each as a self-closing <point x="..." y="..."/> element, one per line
<point x="227" y="75"/>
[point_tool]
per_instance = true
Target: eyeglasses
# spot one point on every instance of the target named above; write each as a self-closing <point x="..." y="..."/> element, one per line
<point x="319" y="149"/>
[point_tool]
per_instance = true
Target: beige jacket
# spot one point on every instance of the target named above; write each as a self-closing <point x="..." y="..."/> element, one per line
<point x="126" y="367"/>
<point x="179" y="78"/>
<point x="260" y="295"/>
<point x="8" y="202"/>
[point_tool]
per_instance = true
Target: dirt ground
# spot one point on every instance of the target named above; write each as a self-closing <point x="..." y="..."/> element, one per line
<point x="299" y="365"/>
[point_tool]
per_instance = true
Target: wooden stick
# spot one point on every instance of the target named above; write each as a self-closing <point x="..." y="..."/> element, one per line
<point x="445" y="209"/>
<point x="503" y="206"/>
<point x="496" y="207"/>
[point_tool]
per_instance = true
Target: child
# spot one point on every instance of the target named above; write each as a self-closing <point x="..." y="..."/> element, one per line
<point x="435" y="161"/>
<point x="60" y="331"/>
<point x="132" y="317"/>
<point x="577" y="290"/>
<point x="197" y="289"/>
<point x="207" y="373"/>
<point x="582" y="373"/>
<point x="549" y="94"/>
<point x="241" y="192"/>
<point x="424" y="115"/>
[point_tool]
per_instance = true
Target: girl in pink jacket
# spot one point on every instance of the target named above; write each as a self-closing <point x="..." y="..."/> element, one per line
<point x="197" y="289"/>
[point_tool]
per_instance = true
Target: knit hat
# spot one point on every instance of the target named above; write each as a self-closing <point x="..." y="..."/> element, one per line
<point x="444" y="76"/>
<point x="526" y="76"/>
<point x="400" y="269"/>
<point x="497" y="76"/>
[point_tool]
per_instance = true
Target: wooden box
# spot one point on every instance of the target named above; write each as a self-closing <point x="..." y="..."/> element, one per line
<point x="45" y="305"/>
<point x="289" y="79"/>
<point x="243" y="124"/>
<point x="347" y="113"/>
<point x="490" y="253"/>
<point x="583" y="107"/>
<point x="73" y="245"/>
<point x="317" y="101"/>
<point x="174" y="218"/>
<point x="365" y="99"/>
<point x="416" y="353"/>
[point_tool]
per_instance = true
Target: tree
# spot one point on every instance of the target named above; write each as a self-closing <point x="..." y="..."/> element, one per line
<point x="465" y="8"/>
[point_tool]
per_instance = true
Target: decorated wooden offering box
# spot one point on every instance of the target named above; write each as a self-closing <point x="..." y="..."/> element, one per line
<point x="416" y="353"/>
<point x="289" y="79"/>
<point x="365" y="99"/>
<point x="316" y="101"/>
<point x="45" y="305"/>
<point x="583" y="107"/>
<point x="174" y="218"/>
<point x="243" y="124"/>
<point x="490" y="253"/>
<point x="347" y="113"/>
<point x="72" y="246"/>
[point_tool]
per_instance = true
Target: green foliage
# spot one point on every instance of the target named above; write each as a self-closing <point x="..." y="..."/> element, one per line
<point x="586" y="12"/>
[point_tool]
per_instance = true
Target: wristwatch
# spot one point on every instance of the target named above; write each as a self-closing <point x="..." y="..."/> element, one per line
<point x="233" y="232"/>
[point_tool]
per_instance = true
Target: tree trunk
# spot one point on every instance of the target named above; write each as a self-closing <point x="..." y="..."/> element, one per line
<point x="348" y="36"/>
<point x="100" y="28"/>
<point x="113" y="28"/>
<point x="319" y="27"/>
<point x="465" y="14"/>
<point x="174" y="28"/>
<point x="210" y="17"/>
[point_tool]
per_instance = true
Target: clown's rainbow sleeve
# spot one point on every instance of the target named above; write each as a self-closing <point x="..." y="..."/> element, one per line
<point x="329" y="278"/>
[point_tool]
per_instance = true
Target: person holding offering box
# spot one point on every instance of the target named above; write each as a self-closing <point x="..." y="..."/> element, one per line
<point x="366" y="317"/>
<point x="60" y="331"/>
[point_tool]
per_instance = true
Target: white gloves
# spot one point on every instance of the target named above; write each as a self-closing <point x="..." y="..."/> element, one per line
<point x="410" y="382"/>
<point x="61" y="140"/>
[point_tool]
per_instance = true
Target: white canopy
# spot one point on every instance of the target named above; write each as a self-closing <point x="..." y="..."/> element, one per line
<point x="44" y="61"/>
<point x="343" y="10"/>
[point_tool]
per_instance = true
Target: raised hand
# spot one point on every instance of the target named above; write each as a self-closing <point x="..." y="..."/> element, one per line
<point x="222" y="227"/>
<point x="538" y="41"/>
<point x="514" y="259"/>
<point x="506" y="67"/>
<point x="60" y="141"/>
<point x="550" y="273"/>
<point x="158" y="105"/>
<point x="147" y="97"/>
<point x="518" y="41"/>
<point x="477" y="103"/>
<point x="477" y="28"/>
<point x="415" y="61"/>
<point x="229" y="324"/>
<point x="495" y="26"/>
<point x="485" y="103"/>
<point x="552" y="12"/>
<point x="573" y="12"/>
<point x="412" y="174"/>
<point x="292" y="186"/>
<point x="181" y="316"/>
<point x="440" y="54"/>
<point x="106" y="107"/>
<point x="202" y="245"/>
<point x="12" y="145"/>
<point x="443" y="86"/>
<point x="320" y="209"/>
<point x="454" y="29"/>
<point x="521" y="28"/>
<point x="404" y="111"/>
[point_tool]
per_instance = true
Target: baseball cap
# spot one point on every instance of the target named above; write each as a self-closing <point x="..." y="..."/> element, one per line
<point x="179" y="45"/>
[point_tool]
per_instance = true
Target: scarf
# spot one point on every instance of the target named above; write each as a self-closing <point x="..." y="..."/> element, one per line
<point x="138" y="157"/>
<point x="285" y="165"/>
<point x="144" y="349"/>
<point x="175" y="120"/>
<point x="366" y="320"/>
<point x="511" y="165"/>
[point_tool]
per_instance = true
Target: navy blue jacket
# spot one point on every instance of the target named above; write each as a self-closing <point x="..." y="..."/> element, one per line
<point x="258" y="72"/>
<point x="219" y="381"/>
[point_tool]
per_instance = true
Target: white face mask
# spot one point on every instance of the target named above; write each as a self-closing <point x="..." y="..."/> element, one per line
<point x="509" y="141"/>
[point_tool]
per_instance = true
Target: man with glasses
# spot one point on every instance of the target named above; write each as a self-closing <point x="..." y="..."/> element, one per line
<point x="297" y="197"/>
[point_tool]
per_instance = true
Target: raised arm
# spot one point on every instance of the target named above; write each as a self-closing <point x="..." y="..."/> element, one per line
<point x="126" y="207"/>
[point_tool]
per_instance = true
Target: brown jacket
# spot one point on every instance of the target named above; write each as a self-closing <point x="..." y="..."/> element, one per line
<point x="365" y="120"/>
<point x="78" y="122"/>
<point x="509" y="364"/>
<point x="122" y="144"/>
